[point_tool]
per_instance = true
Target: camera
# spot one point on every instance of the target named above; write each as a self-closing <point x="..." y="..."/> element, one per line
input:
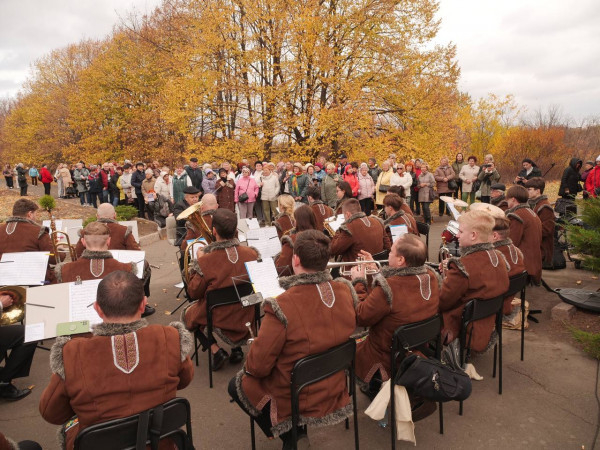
<point x="485" y="166"/>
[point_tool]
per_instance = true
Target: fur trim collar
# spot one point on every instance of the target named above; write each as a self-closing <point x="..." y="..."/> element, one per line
<point x="387" y="272"/>
<point x="330" y="419"/>
<point x="12" y="445"/>
<point x="208" y="212"/>
<point x="220" y="245"/>
<point x="305" y="278"/>
<point x="114" y="329"/>
<point x="459" y="265"/>
<point x="21" y="219"/>
<point x="520" y="206"/>
<point x="502" y="243"/>
<point x="355" y="216"/>
<point x="57" y="365"/>
<point x="393" y="217"/>
<point x="497" y="200"/>
<point x="103" y="220"/>
<point x="352" y="290"/>
<point x="287" y="240"/>
<point x="317" y="202"/>
<point x="512" y="215"/>
<point x="379" y="280"/>
<point x="534" y="201"/>
<point x="93" y="254"/>
<point x="464" y="251"/>
<point x="277" y="310"/>
<point x="186" y="340"/>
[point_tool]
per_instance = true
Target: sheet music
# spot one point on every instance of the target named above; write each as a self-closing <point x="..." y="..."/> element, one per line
<point x="194" y="248"/>
<point x="134" y="228"/>
<point x="265" y="240"/>
<point x="136" y="256"/>
<point x="336" y="222"/>
<point x="397" y="231"/>
<point x="58" y="223"/>
<point x="264" y="277"/>
<point x="24" y="268"/>
<point x="34" y="332"/>
<point x="453" y="210"/>
<point x="253" y="224"/>
<point x="81" y="296"/>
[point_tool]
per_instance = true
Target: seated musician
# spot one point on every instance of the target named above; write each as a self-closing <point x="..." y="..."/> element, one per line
<point x="525" y="230"/>
<point x="357" y="233"/>
<point x="405" y="292"/>
<point x="121" y="236"/>
<point x="392" y="205"/>
<point x="18" y="362"/>
<point x="313" y="315"/>
<point x="20" y="233"/>
<point x="400" y="191"/>
<point x="305" y="220"/>
<point x="191" y="196"/>
<point x="320" y="209"/>
<point x="284" y="221"/>
<point x="207" y="209"/>
<point x="497" y="197"/>
<point x="514" y="256"/>
<point x="343" y="192"/>
<point x="216" y="264"/>
<point x="541" y="206"/>
<point x="480" y="272"/>
<point x="117" y="372"/>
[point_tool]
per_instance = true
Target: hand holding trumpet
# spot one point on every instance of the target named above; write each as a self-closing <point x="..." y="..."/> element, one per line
<point x="360" y="270"/>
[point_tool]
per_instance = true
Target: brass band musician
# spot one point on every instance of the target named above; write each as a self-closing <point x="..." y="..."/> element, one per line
<point x="305" y="220"/>
<point x="541" y="206"/>
<point x="207" y="209"/>
<point x="191" y="196"/>
<point x="284" y="221"/>
<point x="320" y="209"/>
<point x="392" y="205"/>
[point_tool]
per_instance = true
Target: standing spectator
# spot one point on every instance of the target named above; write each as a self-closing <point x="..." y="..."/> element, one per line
<point x="137" y="178"/>
<point x="457" y="166"/>
<point x="124" y="183"/>
<point x="351" y="178"/>
<point x="81" y="174"/>
<point x="313" y="180"/>
<point x="59" y="183"/>
<point x="341" y="167"/>
<point x="488" y="175"/>
<point x="401" y="178"/>
<point x="366" y="189"/>
<point x="569" y="182"/>
<point x="181" y="180"/>
<point x="530" y="170"/>
<point x="412" y="197"/>
<point x="105" y="173"/>
<point x="33" y="174"/>
<point x="8" y="174"/>
<point x="343" y="192"/>
<point x="195" y="173"/>
<point x="587" y="168"/>
<point x="392" y="160"/>
<point x="592" y="182"/>
<point x="319" y="173"/>
<point x="468" y="176"/>
<point x="269" y="184"/>
<point x="285" y="176"/>
<point x="95" y="190"/>
<point x="148" y="192"/>
<point x="374" y="169"/>
<point x="246" y="185"/>
<point x="64" y="175"/>
<point x="443" y="175"/>
<point x="426" y="183"/>
<point x="113" y="187"/>
<point x="209" y="181"/>
<point x="258" y="209"/>
<point x="164" y="186"/>
<point x="298" y="183"/>
<point x="225" y="191"/>
<point x="46" y="179"/>
<point x="22" y="179"/>
<point x="328" y="185"/>
<point x="156" y="169"/>
<point x="384" y="181"/>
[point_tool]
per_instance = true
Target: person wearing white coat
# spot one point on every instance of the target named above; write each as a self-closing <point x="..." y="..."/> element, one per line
<point x="404" y="179"/>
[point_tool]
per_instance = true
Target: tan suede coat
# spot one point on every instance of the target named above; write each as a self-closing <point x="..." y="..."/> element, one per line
<point x="526" y="233"/>
<point x="358" y="233"/>
<point x="284" y="258"/>
<point x="541" y="206"/>
<point x="283" y="223"/>
<point x="93" y="265"/>
<point x="401" y="218"/>
<point x="121" y="238"/>
<point x="515" y="260"/>
<point x="18" y="234"/>
<point x="322" y="212"/>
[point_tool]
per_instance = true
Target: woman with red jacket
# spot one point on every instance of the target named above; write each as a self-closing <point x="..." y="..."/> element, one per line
<point x="47" y="178"/>
<point x="351" y="178"/>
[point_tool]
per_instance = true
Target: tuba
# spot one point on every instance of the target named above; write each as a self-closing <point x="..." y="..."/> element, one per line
<point x="188" y="257"/>
<point x="193" y="215"/>
<point x="15" y="312"/>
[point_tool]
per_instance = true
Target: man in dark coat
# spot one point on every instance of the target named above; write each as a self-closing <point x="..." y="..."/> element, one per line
<point x="529" y="171"/>
<point x="137" y="178"/>
<point x="569" y="182"/>
<point x="541" y="206"/>
<point x="497" y="197"/>
<point x="195" y="173"/>
<point x="190" y="197"/>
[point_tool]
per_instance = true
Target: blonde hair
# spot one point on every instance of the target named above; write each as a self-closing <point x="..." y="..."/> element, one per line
<point x="480" y="221"/>
<point x="286" y="204"/>
<point x="329" y="166"/>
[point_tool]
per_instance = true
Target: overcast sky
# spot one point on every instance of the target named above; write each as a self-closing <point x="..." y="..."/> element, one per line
<point x="545" y="52"/>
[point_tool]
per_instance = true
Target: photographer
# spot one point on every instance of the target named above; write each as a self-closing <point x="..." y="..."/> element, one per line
<point x="530" y="170"/>
<point x="487" y="175"/>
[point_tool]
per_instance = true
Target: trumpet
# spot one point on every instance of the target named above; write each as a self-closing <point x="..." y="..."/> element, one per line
<point x="346" y="272"/>
<point x="251" y="340"/>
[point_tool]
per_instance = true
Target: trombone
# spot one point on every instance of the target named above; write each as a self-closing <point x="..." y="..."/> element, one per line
<point x="346" y="272"/>
<point x="56" y="236"/>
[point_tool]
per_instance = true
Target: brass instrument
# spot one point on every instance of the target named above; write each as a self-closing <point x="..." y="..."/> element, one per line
<point x="57" y="245"/>
<point x="444" y="254"/>
<point x="368" y="271"/>
<point x="188" y="256"/>
<point x="15" y="312"/>
<point x="251" y="340"/>
<point x="194" y="216"/>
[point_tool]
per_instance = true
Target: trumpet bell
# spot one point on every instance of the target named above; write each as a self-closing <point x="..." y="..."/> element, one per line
<point x="16" y="312"/>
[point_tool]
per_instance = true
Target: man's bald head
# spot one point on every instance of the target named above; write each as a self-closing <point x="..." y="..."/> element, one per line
<point x="209" y="201"/>
<point x="106" y="211"/>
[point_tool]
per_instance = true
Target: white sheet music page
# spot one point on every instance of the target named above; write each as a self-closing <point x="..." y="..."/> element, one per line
<point x="453" y="210"/>
<point x="23" y="268"/>
<point x="134" y="228"/>
<point x="81" y="301"/>
<point x="265" y="240"/>
<point x="127" y="256"/>
<point x="397" y="231"/>
<point x="264" y="277"/>
<point x="253" y="224"/>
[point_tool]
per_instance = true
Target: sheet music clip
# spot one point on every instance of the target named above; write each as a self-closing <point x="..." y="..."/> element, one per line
<point x="78" y="280"/>
<point x="244" y="290"/>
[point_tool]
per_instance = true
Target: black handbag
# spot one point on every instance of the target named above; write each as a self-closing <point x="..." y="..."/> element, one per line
<point x="453" y="185"/>
<point x="384" y="187"/>
<point x="243" y="197"/>
<point x="433" y="380"/>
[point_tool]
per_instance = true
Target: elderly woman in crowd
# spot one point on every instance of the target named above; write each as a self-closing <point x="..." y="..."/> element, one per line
<point x="412" y="195"/>
<point x="246" y="192"/>
<point x="225" y="190"/>
<point x="269" y="184"/>
<point x="457" y="165"/>
<point x="64" y="175"/>
<point x="181" y="180"/>
<point x="328" y="186"/>
<point x="426" y="191"/>
<point x="402" y="178"/>
<point x="444" y="176"/>
<point x="366" y="189"/>
<point x="22" y="178"/>
<point x="384" y="181"/>
<point x="148" y="192"/>
<point x="468" y="175"/>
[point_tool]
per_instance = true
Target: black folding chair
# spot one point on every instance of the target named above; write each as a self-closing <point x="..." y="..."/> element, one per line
<point x="146" y="428"/>
<point x="475" y="310"/>
<point x="382" y="256"/>
<point x="423" y="228"/>
<point x="518" y="284"/>
<point x="406" y="338"/>
<point x="314" y="368"/>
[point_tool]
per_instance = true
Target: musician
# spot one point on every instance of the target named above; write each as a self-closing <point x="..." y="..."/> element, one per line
<point x="343" y="192"/>
<point x="541" y="206"/>
<point x="18" y="363"/>
<point x="514" y="256"/>
<point x="191" y="195"/>
<point x="405" y="292"/>
<point x="21" y="233"/>
<point x="402" y="193"/>
<point x="392" y="205"/>
<point x="216" y="264"/>
<point x="284" y="220"/>
<point x="313" y="315"/>
<point x="124" y="368"/>
<point x="525" y="230"/>
<point x="320" y="209"/>
<point x="121" y="237"/>
<point x="207" y="209"/>
<point x="480" y="272"/>
<point x="357" y="233"/>
<point x="305" y="220"/>
<point x="497" y="197"/>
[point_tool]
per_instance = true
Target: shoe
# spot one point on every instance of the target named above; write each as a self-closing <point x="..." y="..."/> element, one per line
<point x="237" y="355"/>
<point x="148" y="311"/>
<point x="367" y="391"/>
<point x="423" y="410"/>
<point x="302" y="441"/>
<point x="219" y="359"/>
<point x="12" y="393"/>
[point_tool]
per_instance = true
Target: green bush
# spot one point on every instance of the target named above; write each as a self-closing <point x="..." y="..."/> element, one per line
<point x="587" y="241"/>
<point x="590" y="341"/>
<point x="89" y="220"/>
<point x="126" y="212"/>
<point x="47" y="202"/>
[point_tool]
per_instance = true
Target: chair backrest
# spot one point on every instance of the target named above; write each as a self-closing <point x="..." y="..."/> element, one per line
<point x="227" y="295"/>
<point x="479" y="308"/>
<point x="516" y="284"/>
<point x="381" y="256"/>
<point x="171" y="225"/>
<point x="416" y="334"/>
<point x="123" y="433"/>
<point x="314" y="368"/>
<point x="423" y="228"/>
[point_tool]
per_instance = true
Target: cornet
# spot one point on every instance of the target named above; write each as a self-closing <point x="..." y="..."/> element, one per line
<point x="346" y="272"/>
<point x="444" y="254"/>
<point x="251" y="340"/>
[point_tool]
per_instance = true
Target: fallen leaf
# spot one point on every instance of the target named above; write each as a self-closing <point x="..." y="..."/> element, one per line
<point x="167" y="313"/>
<point x="31" y="387"/>
<point x="578" y="282"/>
<point x="155" y="305"/>
<point x="594" y="278"/>
<point x="165" y="291"/>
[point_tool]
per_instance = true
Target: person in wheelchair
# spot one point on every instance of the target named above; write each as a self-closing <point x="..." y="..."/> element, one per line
<point x="117" y="371"/>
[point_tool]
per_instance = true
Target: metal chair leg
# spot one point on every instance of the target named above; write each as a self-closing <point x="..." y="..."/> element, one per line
<point x="523" y="324"/>
<point x="495" y="356"/>
<point x="500" y="356"/>
<point x="441" y="405"/>
<point x="252" y="436"/>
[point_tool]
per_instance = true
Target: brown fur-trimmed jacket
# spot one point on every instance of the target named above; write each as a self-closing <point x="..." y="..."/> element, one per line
<point x="526" y="233"/>
<point x="481" y="272"/>
<point x="284" y="258"/>
<point x="283" y="222"/>
<point x="19" y="234"/>
<point x="313" y="315"/>
<point x="121" y="370"/>
<point x="541" y="206"/>
<point x="93" y="265"/>
<point x="400" y="296"/>
<point x="121" y="237"/>
<point x="401" y="218"/>
<point x="221" y="260"/>
<point x="322" y="212"/>
<point x="515" y="260"/>
<point x="191" y="233"/>
<point x="358" y="233"/>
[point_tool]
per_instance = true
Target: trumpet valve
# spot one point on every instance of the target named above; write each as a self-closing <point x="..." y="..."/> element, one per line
<point x="249" y="326"/>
